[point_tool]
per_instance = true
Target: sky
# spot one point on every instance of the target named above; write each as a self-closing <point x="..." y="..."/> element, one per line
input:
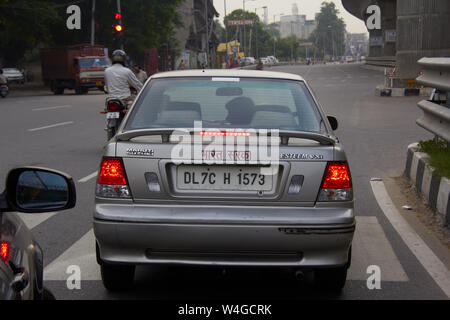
<point x="308" y="7"/>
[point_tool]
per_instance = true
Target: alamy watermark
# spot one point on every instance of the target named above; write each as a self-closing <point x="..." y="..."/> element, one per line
<point x="74" y="19"/>
<point x="250" y="147"/>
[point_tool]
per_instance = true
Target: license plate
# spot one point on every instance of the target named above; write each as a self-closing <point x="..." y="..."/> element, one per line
<point x="112" y="115"/>
<point x="99" y="84"/>
<point x="225" y="178"/>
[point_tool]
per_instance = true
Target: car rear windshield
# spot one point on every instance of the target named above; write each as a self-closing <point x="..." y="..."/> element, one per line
<point x="226" y="103"/>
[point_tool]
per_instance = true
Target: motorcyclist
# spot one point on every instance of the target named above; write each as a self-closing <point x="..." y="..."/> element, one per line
<point x="119" y="79"/>
<point x="260" y="65"/>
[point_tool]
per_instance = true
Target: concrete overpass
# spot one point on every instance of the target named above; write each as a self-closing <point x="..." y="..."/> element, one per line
<point x="410" y="30"/>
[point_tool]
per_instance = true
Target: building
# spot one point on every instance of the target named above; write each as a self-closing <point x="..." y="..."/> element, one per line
<point x="356" y="44"/>
<point x="296" y="25"/>
<point x="197" y="41"/>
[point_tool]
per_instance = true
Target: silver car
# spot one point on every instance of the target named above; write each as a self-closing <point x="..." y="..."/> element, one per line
<point x="14" y="75"/>
<point x="225" y="168"/>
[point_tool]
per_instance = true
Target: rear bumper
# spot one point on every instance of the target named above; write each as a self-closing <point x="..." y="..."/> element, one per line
<point x="249" y="242"/>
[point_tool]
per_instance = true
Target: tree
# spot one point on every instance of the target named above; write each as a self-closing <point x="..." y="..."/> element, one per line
<point x="329" y="35"/>
<point x="23" y="25"/>
<point x="28" y="24"/>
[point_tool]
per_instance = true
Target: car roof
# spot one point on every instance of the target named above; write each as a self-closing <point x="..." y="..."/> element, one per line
<point x="228" y="73"/>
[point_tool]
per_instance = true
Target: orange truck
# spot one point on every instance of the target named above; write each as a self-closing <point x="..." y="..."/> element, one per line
<point x="77" y="67"/>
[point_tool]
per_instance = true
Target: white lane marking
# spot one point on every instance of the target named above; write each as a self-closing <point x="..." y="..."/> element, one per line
<point x="371" y="247"/>
<point x="52" y="126"/>
<point x="52" y="108"/>
<point x="434" y="266"/>
<point x="89" y="177"/>
<point x="33" y="220"/>
<point x="82" y="254"/>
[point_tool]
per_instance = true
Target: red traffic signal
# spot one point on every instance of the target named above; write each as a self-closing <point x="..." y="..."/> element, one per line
<point x="118" y="16"/>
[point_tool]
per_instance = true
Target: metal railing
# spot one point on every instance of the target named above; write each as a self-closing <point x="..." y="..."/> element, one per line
<point x="388" y="62"/>
<point x="436" y="110"/>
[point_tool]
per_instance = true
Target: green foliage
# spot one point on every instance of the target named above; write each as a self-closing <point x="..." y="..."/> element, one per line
<point x="27" y="24"/>
<point x="24" y="24"/>
<point x="439" y="153"/>
<point x="329" y="35"/>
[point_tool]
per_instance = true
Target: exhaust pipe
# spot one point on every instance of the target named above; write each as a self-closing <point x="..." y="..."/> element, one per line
<point x="299" y="275"/>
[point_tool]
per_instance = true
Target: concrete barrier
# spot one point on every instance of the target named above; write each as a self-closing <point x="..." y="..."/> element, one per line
<point x="434" y="190"/>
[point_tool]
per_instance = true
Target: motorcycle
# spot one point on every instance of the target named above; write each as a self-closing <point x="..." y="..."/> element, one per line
<point x="4" y="90"/>
<point x="115" y="110"/>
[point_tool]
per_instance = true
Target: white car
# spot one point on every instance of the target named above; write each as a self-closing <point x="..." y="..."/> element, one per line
<point x="273" y="59"/>
<point x="13" y="75"/>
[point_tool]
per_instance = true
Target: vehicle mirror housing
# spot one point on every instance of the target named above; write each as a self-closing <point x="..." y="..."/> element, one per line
<point x="333" y="122"/>
<point x="35" y="190"/>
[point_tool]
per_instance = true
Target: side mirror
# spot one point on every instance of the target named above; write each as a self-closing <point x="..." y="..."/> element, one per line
<point x="33" y="190"/>
<point x="333" y="122"/>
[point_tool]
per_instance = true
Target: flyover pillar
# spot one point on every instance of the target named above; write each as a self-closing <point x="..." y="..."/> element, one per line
<point x="423" y="30"/>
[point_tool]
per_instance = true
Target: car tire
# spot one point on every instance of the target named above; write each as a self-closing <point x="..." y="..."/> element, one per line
<point x="79" y="90"/>
<point x="47" y="295"/>
<point x="331" y="279"/>
<point x="58" y="91"/>
<point x="117" y="277"/>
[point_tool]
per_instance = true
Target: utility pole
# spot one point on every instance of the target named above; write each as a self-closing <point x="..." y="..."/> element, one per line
<point x="256" y="32"/>
<point x="119" y="10"/>
<point x="274" y="40"/>
<point x="93" y="23"/>
<point x="207" y="37"/>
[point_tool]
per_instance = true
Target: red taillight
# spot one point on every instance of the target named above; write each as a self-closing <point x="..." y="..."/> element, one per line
<point x="114" y="107"/>
<point x="337" y="176"/>
<point x="4" y="252"/>
<point x="112" y="172"/>
<point x="225" y="134"/>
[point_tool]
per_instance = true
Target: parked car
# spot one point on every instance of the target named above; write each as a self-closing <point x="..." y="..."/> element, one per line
<point x="13" y="75"/>
<point x="30" y="190"/>
<point x="273" y="60"/>
<point x="173" y="189"/>
<point x="265" y="61"/>
<point x="247" y="61"/>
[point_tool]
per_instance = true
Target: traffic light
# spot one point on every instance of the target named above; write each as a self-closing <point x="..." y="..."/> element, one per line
<point x="118" y="24"/>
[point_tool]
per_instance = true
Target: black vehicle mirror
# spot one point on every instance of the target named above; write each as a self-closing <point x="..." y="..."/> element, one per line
<point x="333" y="122"/>
<point x="34" y="190"/>
<point x="229" y="92"/>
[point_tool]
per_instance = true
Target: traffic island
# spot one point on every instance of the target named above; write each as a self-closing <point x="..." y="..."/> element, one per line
<point x="433" y="189"/>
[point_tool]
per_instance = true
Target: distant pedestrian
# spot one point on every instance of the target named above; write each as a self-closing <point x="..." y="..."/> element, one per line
<point x="140" y="74"/>
<point x="182" y="65"/>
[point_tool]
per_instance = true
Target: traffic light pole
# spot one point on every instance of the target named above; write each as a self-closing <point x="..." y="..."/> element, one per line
<point x="119" y="10"/>
<point x="93" y="23"/>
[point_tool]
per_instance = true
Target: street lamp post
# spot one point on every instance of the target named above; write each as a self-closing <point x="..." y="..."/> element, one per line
<point x="245" y="35"/>
<point x="292" y="43"/>
<point x="256" y="32"/>
<point x="332" y="40"/>
<point x="93" y="23"/>
<point x="274" y="40"/>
